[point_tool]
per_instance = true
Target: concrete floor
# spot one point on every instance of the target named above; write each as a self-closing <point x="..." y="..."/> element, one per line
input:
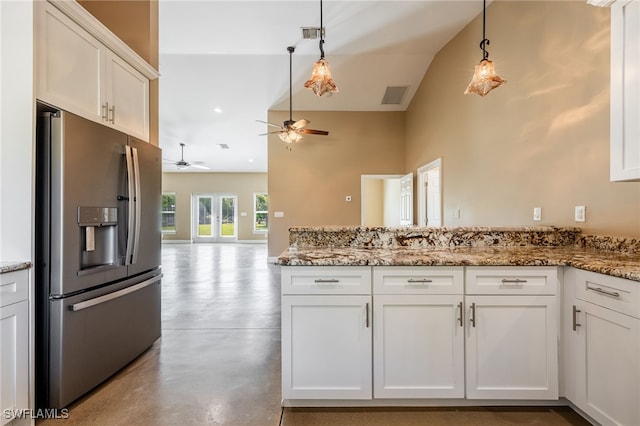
<point x="218" y="360"/>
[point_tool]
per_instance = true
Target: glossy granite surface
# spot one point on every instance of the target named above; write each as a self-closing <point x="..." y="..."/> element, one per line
<point x="6" y="267"/>
<point x="473" y="246"/>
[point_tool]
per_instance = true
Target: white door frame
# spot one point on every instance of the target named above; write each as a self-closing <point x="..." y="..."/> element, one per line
<point x="422" y="199"/>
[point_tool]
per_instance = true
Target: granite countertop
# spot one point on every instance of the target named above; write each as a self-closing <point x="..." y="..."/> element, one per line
<point x="623" y="265"/>
<point x="464" y="246"/>
<point x="6" y="267"/>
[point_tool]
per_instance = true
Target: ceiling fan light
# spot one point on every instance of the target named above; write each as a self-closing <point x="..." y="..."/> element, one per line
<point x="484" y="79"/>
<point x="290" y="136"/>
<point x="321" y="81"/>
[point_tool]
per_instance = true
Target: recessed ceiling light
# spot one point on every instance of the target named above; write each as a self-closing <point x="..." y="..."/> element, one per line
<point x="218" y="110"/>
<point x="251" y="160"/>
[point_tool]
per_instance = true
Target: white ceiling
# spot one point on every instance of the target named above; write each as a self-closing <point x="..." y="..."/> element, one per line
<point x="231" y="56"/>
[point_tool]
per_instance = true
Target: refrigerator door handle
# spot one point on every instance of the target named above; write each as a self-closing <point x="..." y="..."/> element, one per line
<point x="137" y="204"/>
<point x="116" y="294"/>
<point x="130" y="213"/>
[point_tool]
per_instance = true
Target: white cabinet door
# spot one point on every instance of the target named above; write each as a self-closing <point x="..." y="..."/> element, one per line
<point x="127" y="92"/>
<point x="70" y="64"/>
<point x="14" y="358"/>
<point x="418" y="347"/>
<point x="511" y="347"/>
<point x="326" y="347"/>
<point x="625" y="90"/>
<point x="608" y="365"/>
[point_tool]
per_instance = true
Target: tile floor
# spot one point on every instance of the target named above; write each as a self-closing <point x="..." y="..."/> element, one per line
<point x="218" y="361"/>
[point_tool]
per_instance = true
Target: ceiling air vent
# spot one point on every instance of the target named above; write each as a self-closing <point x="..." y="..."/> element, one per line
<point x="394" y="95"/>
<point x="223" y="146"/>
<point x="311" y="33"/>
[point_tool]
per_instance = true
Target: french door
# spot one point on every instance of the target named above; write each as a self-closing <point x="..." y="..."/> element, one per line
<point x="215" y="218"/>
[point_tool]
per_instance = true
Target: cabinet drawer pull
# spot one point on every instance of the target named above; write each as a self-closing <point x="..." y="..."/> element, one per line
<point x="472" y="319"/>
<point x="605" y="292"/>
<point x="112" y="110"/>
<point x="460" y="318"/>
<point x="575" y="318"/>
<point x="325" y="281"/>
<point x="513" y="281"/>
<point x="419" y="280"/>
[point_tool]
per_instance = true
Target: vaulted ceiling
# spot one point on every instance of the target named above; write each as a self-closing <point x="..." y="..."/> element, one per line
<point x="224" y="64"/>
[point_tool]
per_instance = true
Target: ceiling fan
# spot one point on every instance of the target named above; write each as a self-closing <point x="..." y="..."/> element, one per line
<point x="291" y="131"/>
<point x="182" y="164"/>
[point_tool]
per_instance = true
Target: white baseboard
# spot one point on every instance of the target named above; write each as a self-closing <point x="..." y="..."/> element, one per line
<point x="176" y="242"/>
<point x="230" y="242"/>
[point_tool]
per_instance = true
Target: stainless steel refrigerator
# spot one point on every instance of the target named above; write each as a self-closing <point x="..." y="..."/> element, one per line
<point x="97" y="269"/>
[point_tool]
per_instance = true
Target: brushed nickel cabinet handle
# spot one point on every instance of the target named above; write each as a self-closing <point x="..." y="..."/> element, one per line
<point x="575" y="318"/>
<point x="366" y="321"/>
<point x="419" y="280"/>
<point x="325" y="281"/>
<point x="105" y="111"/>
<point x="472" y="319"/>
<point x="513" y="281"/>
<point x="605" y="292"/>
<point x="112" y="110"/>
<point x="460" y="318"/>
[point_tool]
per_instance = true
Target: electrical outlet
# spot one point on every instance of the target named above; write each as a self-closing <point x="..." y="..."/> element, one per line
<point x="581" y="214"/>
<point x="537" y="213"/>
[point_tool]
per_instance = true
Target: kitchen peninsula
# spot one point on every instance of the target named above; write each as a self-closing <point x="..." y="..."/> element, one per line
<point x="462" y="316"/>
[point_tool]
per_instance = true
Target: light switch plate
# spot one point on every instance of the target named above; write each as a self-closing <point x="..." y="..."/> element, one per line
<point x="581" y="214"/>
<point x="278" y="214"/>
<point x="537" y="213"/>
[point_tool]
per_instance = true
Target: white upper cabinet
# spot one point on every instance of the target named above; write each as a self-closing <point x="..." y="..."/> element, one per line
<point x="625" y="90"/>
<point x="78" y="72"/>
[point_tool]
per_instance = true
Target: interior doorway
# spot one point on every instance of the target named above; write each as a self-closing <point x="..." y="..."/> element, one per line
<point x="386" y="200"/>
<point x="430" y="194"/>
<point x="214" y="218"/>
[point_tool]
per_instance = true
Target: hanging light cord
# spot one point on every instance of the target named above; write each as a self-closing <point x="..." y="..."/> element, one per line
<point x="321" y="33"/>
<point x="485" y="40"/>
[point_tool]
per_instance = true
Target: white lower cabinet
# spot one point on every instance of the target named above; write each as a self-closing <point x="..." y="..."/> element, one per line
<point x="326" y="338"/>
<point x="430" y="340"/>
<point x="418" y="348"/>
<point x="14" y="344"/>
<point x="605" y="349"/>
<point x="511" y="349"/>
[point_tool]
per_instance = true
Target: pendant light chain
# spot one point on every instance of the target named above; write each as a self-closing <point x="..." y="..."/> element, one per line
<point x="485" y="41"/>
<point x="321" y="33"/>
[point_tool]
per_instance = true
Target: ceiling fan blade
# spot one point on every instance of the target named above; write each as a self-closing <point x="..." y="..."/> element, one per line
<point x="269" y="124"/>
<point x="198" y="166"/>
<point x="270" y="133"/>
<point x="166" y="160"/>
<point x="300" y="124"/>
<point x="315" y="132"/>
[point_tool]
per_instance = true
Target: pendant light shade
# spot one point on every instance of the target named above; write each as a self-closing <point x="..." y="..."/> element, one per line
<point x="484" y="77"/>
<point x="321" y="81"/>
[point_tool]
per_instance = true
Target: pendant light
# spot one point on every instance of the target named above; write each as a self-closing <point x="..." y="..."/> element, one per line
<point x="321" y="81"/>
<point x="484" y="77"/>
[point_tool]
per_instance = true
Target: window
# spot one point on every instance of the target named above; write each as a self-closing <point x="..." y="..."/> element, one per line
<point x="168" y="213"/>
<point x="260" y="213"/>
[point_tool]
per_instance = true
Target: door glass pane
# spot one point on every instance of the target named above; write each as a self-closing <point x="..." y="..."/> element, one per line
<point x="204" y="217"/>
<point x="227" y="215"/>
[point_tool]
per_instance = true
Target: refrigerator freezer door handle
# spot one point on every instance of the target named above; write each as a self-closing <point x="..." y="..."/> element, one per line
<point x="107" y="297"/>
<point x="137" y="203"/>
<point x="130" y="213"/>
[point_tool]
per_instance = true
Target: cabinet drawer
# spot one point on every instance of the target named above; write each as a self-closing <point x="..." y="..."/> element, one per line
<point x="511" y="280"/>
<point x="14" y="287"/>
<point x="326" y="280"/>
<point x="611" y="292"/>
<point x="418" y="280"/>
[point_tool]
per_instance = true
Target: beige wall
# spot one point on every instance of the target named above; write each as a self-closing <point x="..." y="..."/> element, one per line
<point x="310" y="182"/>
<point x="136" y="23"/>
<point x="244" y="185"/>
<point x="373" y="190"/>
<point x="542" y="140"/>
